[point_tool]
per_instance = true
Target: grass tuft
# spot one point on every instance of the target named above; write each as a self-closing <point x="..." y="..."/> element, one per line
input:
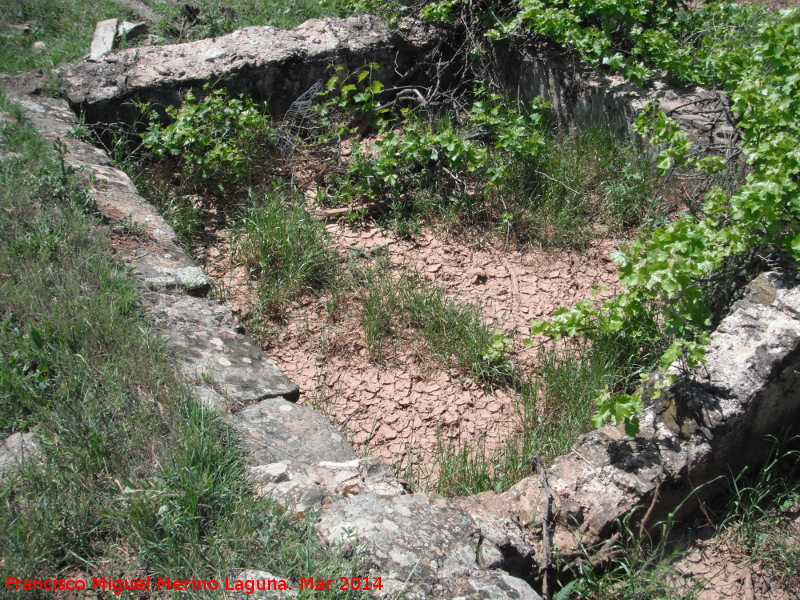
<point x="284" y="249"/>
<point x="407" y="306"/>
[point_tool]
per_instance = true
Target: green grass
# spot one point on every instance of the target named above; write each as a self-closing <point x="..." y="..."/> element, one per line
<point x="213" y="22"/>
<point x="556" y="400"/>
<point x="558" y="189"/>
<point x="134" y="476"/>
<point x="757" y="513"/>
<point x="284" y="249"/>
<point x="588" y="182"/>
<point x="65" y="26"/>
<point x="403" y="308"/>
<point x="765" y="502"/>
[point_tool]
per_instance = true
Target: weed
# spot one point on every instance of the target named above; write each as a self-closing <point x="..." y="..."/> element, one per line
<point x="640" y="569"/>
<point x="455" y="332"/>
<point x="556" y="403"/>
<point x="760" y="512"/>
<point x="130" y="227"/>
<point x="283" y="248"/>
<point x="216" y="143"/>
<point x="497" y="167"/>
<point x="213" y="19"/>
<point x="561" y="197"/>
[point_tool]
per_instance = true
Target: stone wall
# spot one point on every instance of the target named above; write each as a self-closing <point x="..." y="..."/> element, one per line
<point x="578" y="94"/>
<point x="267" y="63"/>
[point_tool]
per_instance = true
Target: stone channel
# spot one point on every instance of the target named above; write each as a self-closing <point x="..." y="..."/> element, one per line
<point x="709" y="423"/>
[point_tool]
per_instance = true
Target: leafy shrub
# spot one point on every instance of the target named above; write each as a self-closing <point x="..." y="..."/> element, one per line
<point x="497" y="165"/>
<point x="217" y="142"/>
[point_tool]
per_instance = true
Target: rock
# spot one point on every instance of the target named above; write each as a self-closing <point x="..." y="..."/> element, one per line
<point x="275" y="430"/>
<point x="130" y="31"/>
<point x="23" y="28"/>
<point x="708" y="424"/>
<point x="265" y="62"/>
<point x="227" y="369"/>
<point x="422" y="546"/>
<point x="576" y="93"/>
<point x="15" y="450"/>
<point x="160" y="263"/>
<point x="39" y="46"/>
<point x="260" y="585"/>
<point x="103" y="41"/>
<point x="303" y="487"/>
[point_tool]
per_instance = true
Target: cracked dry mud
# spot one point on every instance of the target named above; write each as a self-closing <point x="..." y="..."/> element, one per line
<point x="718" y="568"/>
<point x="402" y="406"/>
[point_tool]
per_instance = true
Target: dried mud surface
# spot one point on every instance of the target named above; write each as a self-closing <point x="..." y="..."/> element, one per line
<point x="401" y="406"/>
<point x="719" y="569"/>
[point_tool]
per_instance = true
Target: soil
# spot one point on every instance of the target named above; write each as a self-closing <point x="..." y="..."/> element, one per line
<point x="719" y="568"/>
<point x="402" y="406"/>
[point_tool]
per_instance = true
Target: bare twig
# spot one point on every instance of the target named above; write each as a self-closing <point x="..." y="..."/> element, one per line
<point x="558" y="181"/>
<point x="646" y="518"/>
<point x="547" y="530"/>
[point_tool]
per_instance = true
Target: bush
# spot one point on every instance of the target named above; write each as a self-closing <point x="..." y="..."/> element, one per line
<point x="216" y="143"/>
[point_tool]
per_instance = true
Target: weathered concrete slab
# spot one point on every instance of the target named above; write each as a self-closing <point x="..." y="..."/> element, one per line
<point x="423" y="547"/>
<point x="302" y="487"/>
<point x="268" y="63"/>
<point x="15" y="450"/>
<point x="275" y="430"/>
<point x="105" y="32"/>
<point x="173" y="270"/>
<point x="227" y="369"/>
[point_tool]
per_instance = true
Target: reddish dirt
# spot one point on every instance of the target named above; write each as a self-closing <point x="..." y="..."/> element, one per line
<point x="719" y="569"/>
<point x="400" y="407"/>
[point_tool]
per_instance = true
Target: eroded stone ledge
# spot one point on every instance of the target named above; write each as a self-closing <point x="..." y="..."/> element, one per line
<point x="267" y="63"/>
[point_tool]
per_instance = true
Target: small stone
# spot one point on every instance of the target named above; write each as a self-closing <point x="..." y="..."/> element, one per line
<point x="21" y="27"/>
<point x="105" y="33"/>
<point x="39" y="46"/>
<point x="130" y="31"/>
